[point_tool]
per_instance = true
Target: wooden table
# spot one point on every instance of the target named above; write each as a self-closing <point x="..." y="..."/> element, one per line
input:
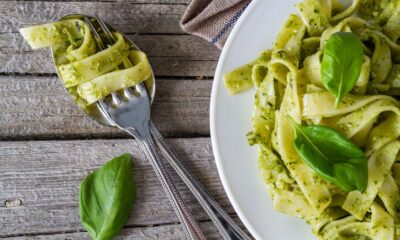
<point x="48" y="144"/>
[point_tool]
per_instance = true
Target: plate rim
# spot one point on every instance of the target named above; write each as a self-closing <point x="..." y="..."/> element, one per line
<point x="214" y="95"/>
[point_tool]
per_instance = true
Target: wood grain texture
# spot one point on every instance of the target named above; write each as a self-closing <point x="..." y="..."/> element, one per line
<point x="127" y="17"/>
<point x="45" y="176"/>
<point x="185" y="2"/>
<point x="164" y="232"/>
<point x="171" y="55"/>
<point x="39" y="108"/>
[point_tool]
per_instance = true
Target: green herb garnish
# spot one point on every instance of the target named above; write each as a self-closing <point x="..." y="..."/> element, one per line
<point x="341" y="63"/>
<point x="106" y="198"/>
<point x="332" y="156"/>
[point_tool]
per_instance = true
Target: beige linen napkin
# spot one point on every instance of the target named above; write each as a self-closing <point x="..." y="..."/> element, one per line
<point x="213" y="19"/>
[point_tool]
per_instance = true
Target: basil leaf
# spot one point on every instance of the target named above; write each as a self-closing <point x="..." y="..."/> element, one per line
<point x="106" y="198"/>
<point x="332" y="156"/>
<point x="341" y="63"/>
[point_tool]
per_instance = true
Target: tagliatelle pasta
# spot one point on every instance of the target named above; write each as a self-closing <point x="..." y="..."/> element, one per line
<point x="287" y="82"/>
<point x="88" y="72"/>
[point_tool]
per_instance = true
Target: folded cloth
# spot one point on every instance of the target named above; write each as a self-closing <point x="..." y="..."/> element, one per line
<point x="213" y="19"/>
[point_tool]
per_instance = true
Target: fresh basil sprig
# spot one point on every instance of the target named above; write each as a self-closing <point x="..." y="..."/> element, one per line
<point x="341" y="63"/>
<point x="332" y="156"/>
<point x="106" y="198"/>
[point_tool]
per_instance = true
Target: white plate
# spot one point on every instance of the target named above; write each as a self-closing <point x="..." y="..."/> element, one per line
<point x="230" y="119"/>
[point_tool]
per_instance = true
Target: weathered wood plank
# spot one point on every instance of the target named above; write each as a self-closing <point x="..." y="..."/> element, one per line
<point x="181" y="47"/>
<point x="45" y="176"/>
<point x="39" y="108"/>
<point x="129" y="1"/>
<point x="171" y="55"/>
<point x="172" y="232"/>
<point x="127" y="17"/>
<point x="165" y="232"/>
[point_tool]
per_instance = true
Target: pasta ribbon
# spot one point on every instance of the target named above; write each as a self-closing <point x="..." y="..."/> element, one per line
<point x="379" y="167"/>
<point x="96" y="65"/>
<point x="101" y="86"/>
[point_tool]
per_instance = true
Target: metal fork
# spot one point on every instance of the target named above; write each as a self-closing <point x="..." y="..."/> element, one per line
<point x="131" y="113"/>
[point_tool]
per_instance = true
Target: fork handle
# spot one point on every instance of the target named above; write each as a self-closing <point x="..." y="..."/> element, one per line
<point x="224" y="223"/>
<point x="191" y="228"/>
